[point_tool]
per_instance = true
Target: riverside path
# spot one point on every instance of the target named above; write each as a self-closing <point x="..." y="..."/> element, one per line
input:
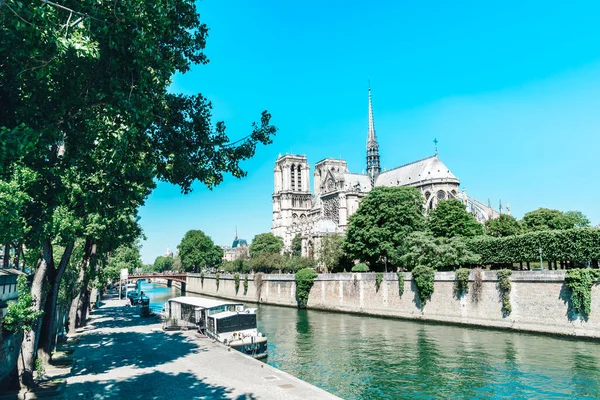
<point x="122" y="356"/>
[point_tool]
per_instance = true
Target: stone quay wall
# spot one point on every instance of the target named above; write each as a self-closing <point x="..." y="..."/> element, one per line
<point x="539" y="299"/>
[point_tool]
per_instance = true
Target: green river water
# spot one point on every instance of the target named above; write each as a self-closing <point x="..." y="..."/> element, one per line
<point x="359" y="357"/>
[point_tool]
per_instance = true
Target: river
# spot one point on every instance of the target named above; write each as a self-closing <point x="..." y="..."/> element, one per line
<point x="360" y="357"/>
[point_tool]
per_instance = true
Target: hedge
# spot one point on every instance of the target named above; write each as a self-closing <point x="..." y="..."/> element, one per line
<point x="578" y="244"/>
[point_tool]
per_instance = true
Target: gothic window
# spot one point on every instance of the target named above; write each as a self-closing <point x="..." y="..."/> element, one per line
<point x="427" y="195"/>
<point x="293" y="176"/>
<point x="441" y="195"/>
<point x="299" y="178"/>
<point x="331" y="209"/>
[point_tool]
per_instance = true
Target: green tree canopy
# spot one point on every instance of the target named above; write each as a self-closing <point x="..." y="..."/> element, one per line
<point x="163" y="263"/>
<point x="577" y="219"/>
<point x="331" y="252"/>
<point x="546" y="219"/>
<point x="383" y="220"/>
<point x="504" y="225"/>
<point x="450" y="218"/>
<point x="436" y="252"/>
<point x="265" y="243"/>
<point x="197" y="251"/>
<point x="126" y="256"/>
<point x="297" y="245"/>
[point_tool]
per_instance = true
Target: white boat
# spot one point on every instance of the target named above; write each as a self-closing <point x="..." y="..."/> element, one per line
<point x="228" y="322"/>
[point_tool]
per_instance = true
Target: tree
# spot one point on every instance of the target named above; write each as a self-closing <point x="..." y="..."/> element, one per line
<point x="450" y="218"/>
<point x="331" y="252"/>
<point x="546" y="219"/>
<point x="383" y="220"/>
<point x="297" y="245"/>
<point x="126" y="257"/>
<point x="163" y="263"/>
<point x="577" y="219"/>
<point x="265" y="243"/>
<point x="504" y="225"/>
<point x="435" y="252"/>
<point x="198" y="251"/>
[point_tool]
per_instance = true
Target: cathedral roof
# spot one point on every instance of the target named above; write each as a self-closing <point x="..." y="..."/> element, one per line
<point x="418" y="172"/>
<point x="357" y="182"/>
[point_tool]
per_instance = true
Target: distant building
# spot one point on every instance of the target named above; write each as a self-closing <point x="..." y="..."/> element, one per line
<point x="8" y="288"/>
<point x="169" y="253"/>
<point x="238" y="249"/>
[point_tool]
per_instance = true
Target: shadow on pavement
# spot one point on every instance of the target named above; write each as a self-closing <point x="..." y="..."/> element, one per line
<point x="155" y="385"/>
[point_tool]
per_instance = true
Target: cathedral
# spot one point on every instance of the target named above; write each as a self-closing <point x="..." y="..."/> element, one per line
<point x="337" y="192"/>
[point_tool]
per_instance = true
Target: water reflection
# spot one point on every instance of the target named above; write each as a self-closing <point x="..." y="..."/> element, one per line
<point x="359" y="357"/>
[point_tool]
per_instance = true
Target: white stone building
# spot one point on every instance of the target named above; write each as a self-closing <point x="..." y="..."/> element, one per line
<point x="338" y="192"/>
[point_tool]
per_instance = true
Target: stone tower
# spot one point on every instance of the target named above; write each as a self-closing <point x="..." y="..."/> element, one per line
<point x="291" y="197"/>
<point x="373" y="166"/>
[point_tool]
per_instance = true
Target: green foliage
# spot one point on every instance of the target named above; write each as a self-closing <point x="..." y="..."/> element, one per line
<point x="580" y="282"/>
<point x="362" y="267"/>
<point x="504" y="225"/>
<point x="378" y="280"/>
<point x="13" y="200"/>
<point x="265" y="243"/>
<point x="437" y="252"/>
<point x="400" y="283"/>
<point x="124" y="257"/>
<point x="245" y="284"/>
<point x="304" y="282"/>
<point x="163" y="263"/>
<point x="297" y="245"/>
<point x="450" y="218"/>
<point x="461" y="282"/>
<point x="382" y="222"/>
<point x="331" y="253"/>
<point x="504" y="286"/>
<point x="202" y="278"/>
<point x="236" y="281"/>
<point x="21" y="313"/>
<point x="40" y="371"/>
<point x="545" y="219"/>
<point x="197" y="250"/>
<point x="577" y="219"/>
<point x="578" y="244"/>
<point x="423" y="277"/>
<point x="217" y="278"/>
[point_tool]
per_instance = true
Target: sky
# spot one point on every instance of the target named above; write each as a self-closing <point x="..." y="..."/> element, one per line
<point x="510" y="90"/>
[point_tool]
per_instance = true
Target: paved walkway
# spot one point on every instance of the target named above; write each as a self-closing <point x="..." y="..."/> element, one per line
<point x="122" y="356"/>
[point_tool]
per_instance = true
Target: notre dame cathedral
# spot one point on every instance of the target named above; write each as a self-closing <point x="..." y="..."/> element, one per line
<point x="338" y="192"/>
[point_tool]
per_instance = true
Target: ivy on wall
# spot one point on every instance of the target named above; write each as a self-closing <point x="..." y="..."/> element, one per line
<point x="305" y="279"/>
<point x="378" y="280"/>
<point x="400" y="283"/>
<point x="245" y="284"/>
<point x="217" y="276"/>
<point x="423" y="278"/>
<point x="461" y="282"/>
<point x="580" y="282"/>
<point x="236" y="281"/>
<point x="202" y="279"/>
<point x="504" y="287"/>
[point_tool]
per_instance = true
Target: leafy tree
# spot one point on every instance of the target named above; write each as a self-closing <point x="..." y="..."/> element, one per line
<point x="126" y="257"/>
<point x="197" y="251"/>
<point x="546" y="219"/>
<point x="435" y="252"/>
<point x="504" y="225"/>
<point x="267" y="262"/>
<point x="450" y="218"/>
<point x="577" y="219"/>
<point x="297" y="245"/>
<point x="331" y="252"/>
<point x="382" y="222"/>
<point x="265" y="243"/>
<point x="163" y="263"/>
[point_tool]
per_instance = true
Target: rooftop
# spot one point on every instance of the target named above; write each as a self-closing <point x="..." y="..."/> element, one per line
<point x="202" y="303"/>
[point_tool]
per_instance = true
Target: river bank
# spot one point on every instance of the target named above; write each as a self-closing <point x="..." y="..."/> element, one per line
<point x="121" y="355"/>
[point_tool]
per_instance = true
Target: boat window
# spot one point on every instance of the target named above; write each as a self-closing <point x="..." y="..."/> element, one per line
<point x="236" y="322"/>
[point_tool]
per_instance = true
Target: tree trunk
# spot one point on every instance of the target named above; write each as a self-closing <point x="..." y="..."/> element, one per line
<point x="83" y="307"/>
<point x="17" y="254"/>
<point x="31" y="338"/>
<point x="6" y="258"/>
<point x="82" y="282"/>
<point x="47" y="333"/>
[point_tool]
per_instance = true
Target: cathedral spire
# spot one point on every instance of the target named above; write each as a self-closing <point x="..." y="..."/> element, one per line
<point x="373" y="167"/>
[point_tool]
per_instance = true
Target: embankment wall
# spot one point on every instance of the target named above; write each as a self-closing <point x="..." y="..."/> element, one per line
<point x="539" y="299"/>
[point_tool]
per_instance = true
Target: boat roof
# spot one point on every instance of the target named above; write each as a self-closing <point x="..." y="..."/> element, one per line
<point x="223" y="314"/>
<point x="202" y="303"/>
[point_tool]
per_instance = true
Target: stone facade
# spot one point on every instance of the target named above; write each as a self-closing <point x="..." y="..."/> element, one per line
<point x="337" y="192"/>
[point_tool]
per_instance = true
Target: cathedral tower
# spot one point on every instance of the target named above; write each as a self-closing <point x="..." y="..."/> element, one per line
<point x="373" y="166"/>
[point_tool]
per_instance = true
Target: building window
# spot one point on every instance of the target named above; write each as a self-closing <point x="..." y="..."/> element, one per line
<point x="293" y="176"/>
<point x="299" y="178"/>
<point x="441" y="195"/>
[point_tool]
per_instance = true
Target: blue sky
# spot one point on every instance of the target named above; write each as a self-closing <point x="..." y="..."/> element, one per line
<point x="511" y="91"/>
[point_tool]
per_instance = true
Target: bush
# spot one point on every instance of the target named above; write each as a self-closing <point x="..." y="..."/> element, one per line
<point x="461" y="283"/>
<point x="400" y="282"/>
<point x="378" y="280"/>
<point x="580" y="282"/>
<point x="423" y="278"/>
<point x="245" y="284"/>
<point x="362" y="267"/>
<point x="504" y="287"/>
<point x="236" y="280"/>
<point x="304" y="282"/>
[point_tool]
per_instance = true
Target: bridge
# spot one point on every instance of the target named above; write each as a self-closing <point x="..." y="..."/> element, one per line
<point x="168" y="276"/>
